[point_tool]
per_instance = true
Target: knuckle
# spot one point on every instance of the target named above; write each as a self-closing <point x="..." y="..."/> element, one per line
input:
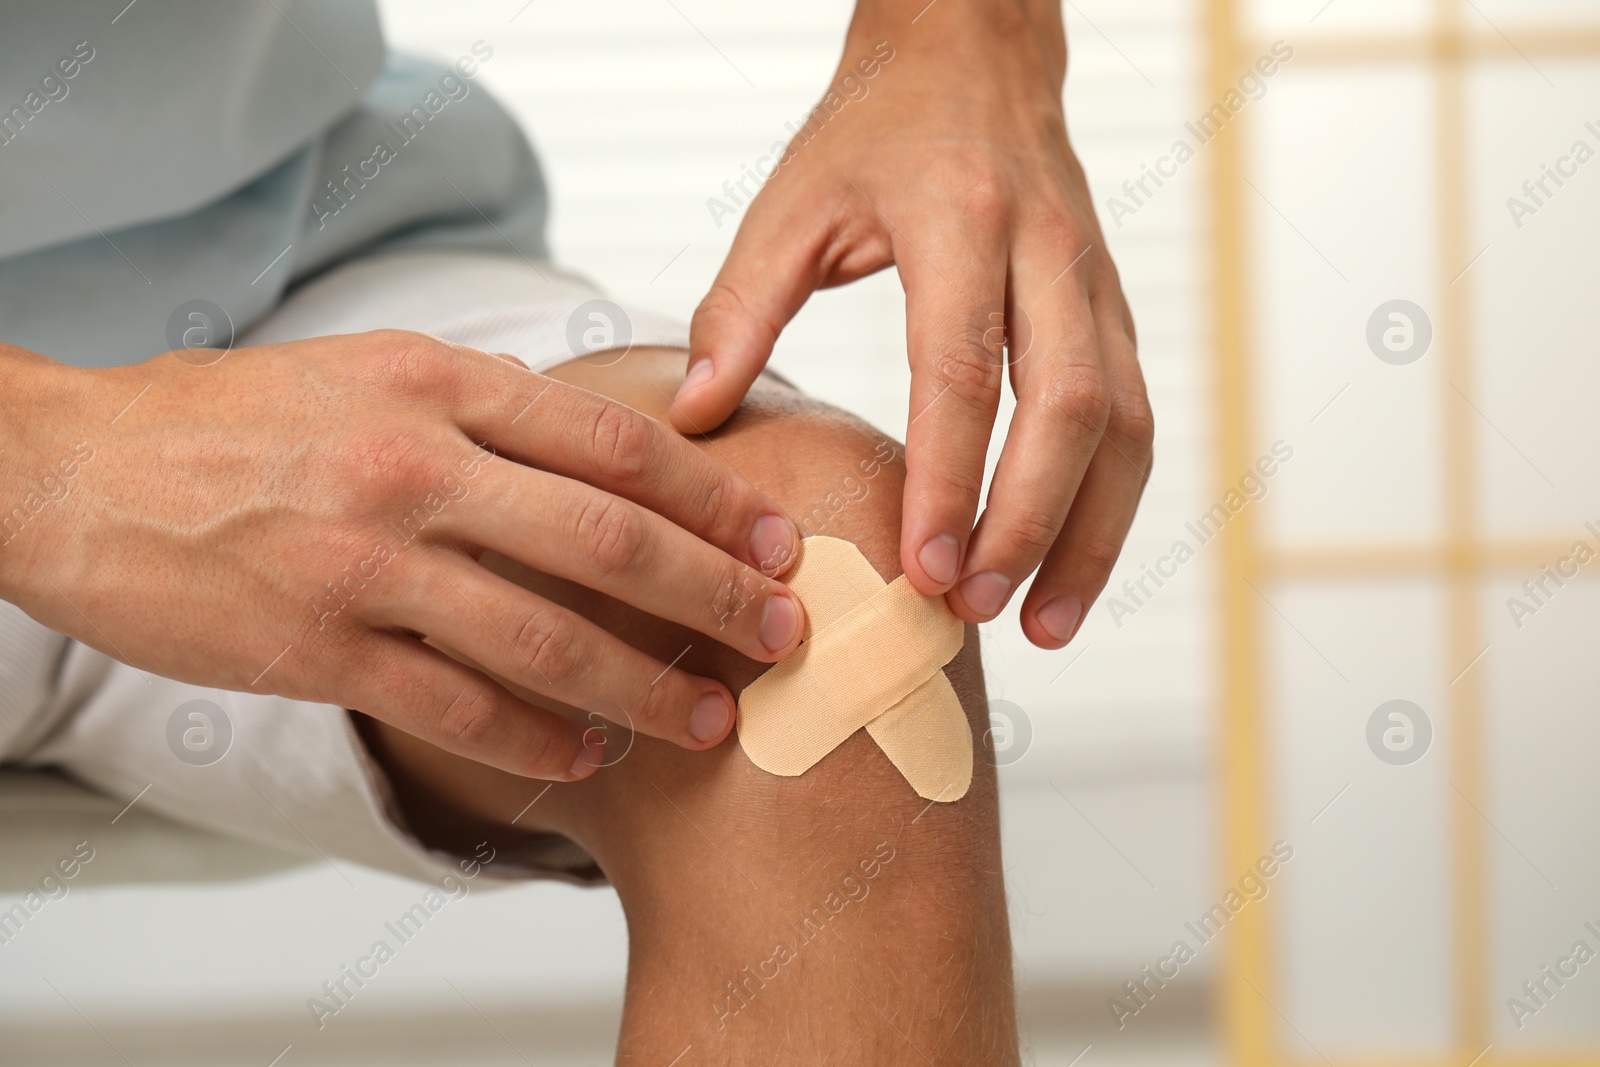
<point x="657" y="705"/>
<point x="542" y="754"/>
<point x="410" y="361"/>
<point x="391" y="462"/>
<point x="718" y="509"/>
<point x="1097" y="555"/>
<point x="472" y="719"/>
<point x="1077" y="396"/>
<point x="548" y="643"/>
<point x="1133" y="426"/>
<point x="738" y="589"/>
<point x="984" y="194"/>
<point x="723" y="304"/>
<point x="622" y="440"/>
<point x="1060" y="229"/>
<point x="720" y="300"/>
<point x="969" y="375"/>
<point x="1032" y="532"/>
<point x="610" y="532"/>
<point x="960" y="480"/>
<point x="727" y="602"/>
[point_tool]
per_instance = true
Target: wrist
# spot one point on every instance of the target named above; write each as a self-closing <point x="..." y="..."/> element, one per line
<point x="1003" y="36"/>
<point x="37" y="397"/>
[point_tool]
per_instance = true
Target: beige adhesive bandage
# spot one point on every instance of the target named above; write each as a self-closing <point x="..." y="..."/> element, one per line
<point x="872" y="656"/>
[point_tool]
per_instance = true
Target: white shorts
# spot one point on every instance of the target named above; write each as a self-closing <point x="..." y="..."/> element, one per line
<point x="294" y="775"/>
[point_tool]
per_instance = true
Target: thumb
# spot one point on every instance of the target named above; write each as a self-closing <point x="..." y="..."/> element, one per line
<point x="769" y="274"/>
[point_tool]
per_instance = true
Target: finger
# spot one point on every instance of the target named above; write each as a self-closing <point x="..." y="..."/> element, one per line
<point x="557" y="653"/>
<point x="1060" y="415"/>
<point x="429" y="695"/>
<point x="1075" y="570"/>
<point x="603" y="542"/>
<point x="957" y="364"/>
<point x="769" y="274"/>
<point x="553" y="426"/>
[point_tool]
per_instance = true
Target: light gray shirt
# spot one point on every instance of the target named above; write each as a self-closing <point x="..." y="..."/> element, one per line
<point x="186" y="154"/>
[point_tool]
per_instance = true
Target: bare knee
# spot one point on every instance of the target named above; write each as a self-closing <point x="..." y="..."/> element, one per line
<point x="837" y="477"/>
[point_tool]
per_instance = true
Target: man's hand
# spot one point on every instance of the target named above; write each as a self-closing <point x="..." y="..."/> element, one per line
<point x="295" y="518"/>
<point x="942" y="148"/>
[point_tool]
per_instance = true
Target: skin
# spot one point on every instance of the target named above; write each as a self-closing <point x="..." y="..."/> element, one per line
<point x="956" y="168"/>
<point x="202" y="537"/>
<point x="716" y="861"/>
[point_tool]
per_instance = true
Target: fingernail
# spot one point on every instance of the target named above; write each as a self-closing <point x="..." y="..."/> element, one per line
<point x="779" y="621"/>
<point x="711" y="717"/>
<point x="986" y="593"/>
<point x="589" y="759"/>
<point x="698" y="375"/>
<point x="941" y="558"/>
<point x="1060" y="616"/>
<point x="772" y="544"/>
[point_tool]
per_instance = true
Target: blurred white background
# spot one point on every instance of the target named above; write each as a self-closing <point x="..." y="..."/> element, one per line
<point x="640" y="110"/>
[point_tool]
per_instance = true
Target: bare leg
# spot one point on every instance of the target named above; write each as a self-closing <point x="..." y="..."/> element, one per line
<point x="834" y="918"/>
